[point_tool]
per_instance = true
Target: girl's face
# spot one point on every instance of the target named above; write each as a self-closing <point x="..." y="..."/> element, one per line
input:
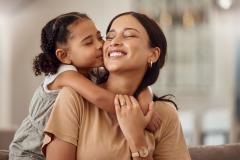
<point x="127" y="45"/>
<point x="84" y="47"/>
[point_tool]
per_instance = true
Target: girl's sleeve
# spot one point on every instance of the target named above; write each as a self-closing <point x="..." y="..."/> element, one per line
<point x="170" y="142"/>
<point x="51" y="77"/>
<point x="65" y="119"/>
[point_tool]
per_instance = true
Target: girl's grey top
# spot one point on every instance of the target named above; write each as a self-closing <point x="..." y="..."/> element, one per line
<point x="28" y="138"/>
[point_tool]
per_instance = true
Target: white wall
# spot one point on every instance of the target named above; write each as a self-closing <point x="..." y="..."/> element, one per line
<point x="5" y="69"/>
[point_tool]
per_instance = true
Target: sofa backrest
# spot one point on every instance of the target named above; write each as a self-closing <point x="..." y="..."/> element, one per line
<point x="216" y="152"/>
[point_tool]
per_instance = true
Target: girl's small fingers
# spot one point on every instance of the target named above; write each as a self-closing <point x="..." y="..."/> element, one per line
<point x="158" y="120"/>
<point x="152" y="127"/>
<point x="155" y="126"/>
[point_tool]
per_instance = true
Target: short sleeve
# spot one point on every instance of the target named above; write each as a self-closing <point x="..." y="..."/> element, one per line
<point x="51" y="77"/>
<point x="170" y="143"/>
<point x="65" y="119"/>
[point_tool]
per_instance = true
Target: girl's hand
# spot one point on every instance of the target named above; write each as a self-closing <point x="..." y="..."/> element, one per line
<point x="130" y="117"/>
<point x="154" y="123"/>
<point x="144" y="99"/>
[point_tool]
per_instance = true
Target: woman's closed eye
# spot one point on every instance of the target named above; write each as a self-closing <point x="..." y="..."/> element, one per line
<point x="109" y="37"/>
<point x="129" y="35"/>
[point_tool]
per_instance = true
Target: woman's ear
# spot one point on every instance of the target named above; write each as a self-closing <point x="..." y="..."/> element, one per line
<point x="62" y="56"/>
<point x="155" y="53"/>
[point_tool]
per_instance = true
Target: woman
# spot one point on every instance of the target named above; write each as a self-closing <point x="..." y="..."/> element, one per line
<point x="134" y="52"/>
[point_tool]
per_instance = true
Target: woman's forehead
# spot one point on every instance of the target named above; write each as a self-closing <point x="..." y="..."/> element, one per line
<point x="127" y="21"/>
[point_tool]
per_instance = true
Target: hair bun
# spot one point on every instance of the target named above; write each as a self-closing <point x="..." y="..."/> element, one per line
<point x="45" y="63"/>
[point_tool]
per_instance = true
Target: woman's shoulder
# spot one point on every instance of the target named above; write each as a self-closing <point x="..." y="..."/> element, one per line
<point x="166" y="110"/>
<point x="71" y="94"/>
<point x="68" y="100"/>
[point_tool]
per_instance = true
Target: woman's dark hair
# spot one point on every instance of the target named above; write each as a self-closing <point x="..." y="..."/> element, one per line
<point x="54" y="32"/>
<point x="156" y="39"/>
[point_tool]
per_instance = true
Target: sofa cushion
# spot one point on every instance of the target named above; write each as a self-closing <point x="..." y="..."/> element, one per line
<point x="215" y="152"/>
<point x="3" y="155"/>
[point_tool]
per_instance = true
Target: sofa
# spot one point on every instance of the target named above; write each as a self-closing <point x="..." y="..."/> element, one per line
<point x="214" y="152"/>
<point x="217" y="152"/>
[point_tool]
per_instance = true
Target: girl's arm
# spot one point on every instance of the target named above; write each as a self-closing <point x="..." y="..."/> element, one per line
<point x="60" y="150"/>
<point x="86" y="88"/>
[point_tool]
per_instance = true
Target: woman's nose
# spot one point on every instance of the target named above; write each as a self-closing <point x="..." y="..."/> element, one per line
<point x="116" y="41"/>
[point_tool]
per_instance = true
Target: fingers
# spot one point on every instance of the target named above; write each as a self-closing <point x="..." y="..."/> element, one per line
<point x="151" y="126"/>
<point x="117" y="103"/>
<point x="122" y="100"/>
<point x="128" y="101"/>
<point x="149" y="113"/>
<point x="134" y="101"/>
<point x="155" y="123"/>
<point x="158" y="120"/>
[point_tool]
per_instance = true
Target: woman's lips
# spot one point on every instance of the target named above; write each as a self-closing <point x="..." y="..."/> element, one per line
<point x="116" y="53"/>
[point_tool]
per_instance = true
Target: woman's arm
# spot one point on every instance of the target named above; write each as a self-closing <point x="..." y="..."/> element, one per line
<point x="60" y="150"/>
<point x="133" y="122"/>
<point x="86" y="88"/>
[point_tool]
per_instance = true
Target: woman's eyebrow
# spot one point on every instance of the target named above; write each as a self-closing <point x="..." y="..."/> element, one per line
<point x="131" y="29"/>
<point x="125" y="29"/>
<point x="112" y="30"/>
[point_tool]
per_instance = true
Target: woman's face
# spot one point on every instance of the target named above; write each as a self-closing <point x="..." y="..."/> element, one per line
<point x="127" y="45"/>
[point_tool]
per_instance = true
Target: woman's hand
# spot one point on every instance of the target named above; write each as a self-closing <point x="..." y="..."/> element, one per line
<point x="130" y="117"/>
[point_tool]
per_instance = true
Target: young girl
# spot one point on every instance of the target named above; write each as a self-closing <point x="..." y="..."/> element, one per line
<point x="71" y="45"/>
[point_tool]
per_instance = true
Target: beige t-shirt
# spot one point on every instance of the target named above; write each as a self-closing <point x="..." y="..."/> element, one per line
<point x="98" y="136"/>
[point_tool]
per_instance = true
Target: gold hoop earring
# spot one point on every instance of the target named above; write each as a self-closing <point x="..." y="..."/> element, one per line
<point x="151" y="64"/>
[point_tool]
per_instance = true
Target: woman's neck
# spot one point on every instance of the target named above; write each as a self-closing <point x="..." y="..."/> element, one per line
<point x="123" y="84"/>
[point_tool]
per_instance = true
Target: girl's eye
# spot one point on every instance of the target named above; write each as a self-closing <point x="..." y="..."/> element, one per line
<point x="100" y="38"/>
<point x="89" y="43"/>
<point x="109" y="36"/>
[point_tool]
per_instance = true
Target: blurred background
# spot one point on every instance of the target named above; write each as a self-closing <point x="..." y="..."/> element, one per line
<point x="202" y="68"/>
